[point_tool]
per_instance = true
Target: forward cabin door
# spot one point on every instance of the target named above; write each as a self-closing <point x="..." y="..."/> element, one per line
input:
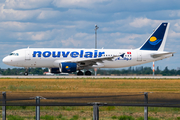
<point x="139" y="56"/>
<point x="27" y="55"/>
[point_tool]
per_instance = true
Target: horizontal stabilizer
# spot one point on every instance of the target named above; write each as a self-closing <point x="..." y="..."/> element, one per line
<point x="161" y="54"/>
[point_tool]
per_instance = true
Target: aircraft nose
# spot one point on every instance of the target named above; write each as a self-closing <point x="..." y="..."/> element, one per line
<point x="6" y="60"/>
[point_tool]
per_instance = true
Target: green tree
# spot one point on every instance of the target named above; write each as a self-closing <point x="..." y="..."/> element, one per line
<point x="165" y="71"/>
<point x="157" y="71"/>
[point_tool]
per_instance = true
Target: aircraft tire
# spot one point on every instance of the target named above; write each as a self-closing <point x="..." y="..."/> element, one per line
<point x="88" y="73"/>
<point x="26" y="73"/>
<point x="80" y="73"/>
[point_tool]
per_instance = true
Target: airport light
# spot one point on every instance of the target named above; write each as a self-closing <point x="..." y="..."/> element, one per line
<point x="96" y="27"/>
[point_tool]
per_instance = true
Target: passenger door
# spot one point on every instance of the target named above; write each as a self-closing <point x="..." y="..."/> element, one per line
<point x="27" y="55"/>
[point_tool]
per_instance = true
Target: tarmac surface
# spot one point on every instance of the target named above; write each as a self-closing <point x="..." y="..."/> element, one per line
<point x="155" y="77"/>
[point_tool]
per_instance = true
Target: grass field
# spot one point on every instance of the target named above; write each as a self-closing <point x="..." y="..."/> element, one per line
<point x="90" y="85"/>
<point x="87" y="86"/>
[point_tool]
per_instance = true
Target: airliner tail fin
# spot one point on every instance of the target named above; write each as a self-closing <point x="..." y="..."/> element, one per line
<point x="157" y="39"/>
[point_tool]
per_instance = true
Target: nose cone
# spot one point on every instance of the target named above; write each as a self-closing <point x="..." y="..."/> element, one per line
<point x="6" y="60"/>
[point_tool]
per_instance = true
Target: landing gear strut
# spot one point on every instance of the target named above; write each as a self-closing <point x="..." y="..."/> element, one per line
<point x="80" y="73"/>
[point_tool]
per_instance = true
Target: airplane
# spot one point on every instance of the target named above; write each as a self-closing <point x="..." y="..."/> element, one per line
<point x="67" y="60"/>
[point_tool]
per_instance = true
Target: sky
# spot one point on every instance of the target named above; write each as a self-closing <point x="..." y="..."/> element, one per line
<point x="123" y="24"/>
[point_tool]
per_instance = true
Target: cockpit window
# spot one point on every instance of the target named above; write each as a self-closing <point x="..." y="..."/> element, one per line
<point x="14" y="54"/>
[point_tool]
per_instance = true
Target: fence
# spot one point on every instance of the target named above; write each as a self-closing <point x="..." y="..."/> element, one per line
<point x="125" y="99"/>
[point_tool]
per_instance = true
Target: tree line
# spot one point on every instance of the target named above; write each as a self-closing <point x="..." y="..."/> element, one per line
<point x="130" y="71"/>
<point x="140" y="71"/>
<point x="20" y="71"/>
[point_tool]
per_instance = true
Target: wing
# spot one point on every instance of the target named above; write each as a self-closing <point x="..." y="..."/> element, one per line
<point x="92" y="61"/>
<point x="88" y="62"/>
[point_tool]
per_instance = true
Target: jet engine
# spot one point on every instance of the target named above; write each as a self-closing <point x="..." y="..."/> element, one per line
<point x="66" y="67"/>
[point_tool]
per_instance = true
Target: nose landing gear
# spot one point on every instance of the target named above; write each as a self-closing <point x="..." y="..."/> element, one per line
<point x="26" y="72"/>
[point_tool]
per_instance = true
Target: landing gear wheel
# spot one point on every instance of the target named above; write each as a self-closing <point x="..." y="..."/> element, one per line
<point x="26" y="73"/>
<point x="80" y="73"/>
<point x="88" y="73"/>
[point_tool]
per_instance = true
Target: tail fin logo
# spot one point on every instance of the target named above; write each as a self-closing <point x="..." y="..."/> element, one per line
<point x="154" y="41"/>
<point x="157" y="40"/>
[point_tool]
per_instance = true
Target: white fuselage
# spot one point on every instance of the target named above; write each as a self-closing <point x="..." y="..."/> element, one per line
<point x="51" y="57"/>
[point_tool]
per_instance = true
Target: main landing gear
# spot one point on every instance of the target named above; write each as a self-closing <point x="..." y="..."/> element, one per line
<point x="79" y="72"/>
<point x="86" y="73"/>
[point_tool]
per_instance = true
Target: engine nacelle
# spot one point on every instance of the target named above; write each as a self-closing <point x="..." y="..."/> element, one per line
<point x="66" y="67"/>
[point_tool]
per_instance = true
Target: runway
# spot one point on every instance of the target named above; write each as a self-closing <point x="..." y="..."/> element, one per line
<point x="95" y="77"/>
